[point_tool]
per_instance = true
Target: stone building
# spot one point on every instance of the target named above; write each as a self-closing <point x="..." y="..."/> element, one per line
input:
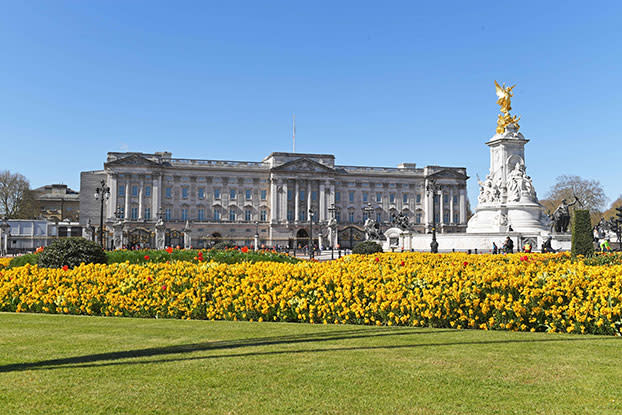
<point x="232" y="200"/>
<point x="57" y="202"/>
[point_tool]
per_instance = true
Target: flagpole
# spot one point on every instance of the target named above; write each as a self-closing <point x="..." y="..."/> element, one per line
<point x="294" y="133"/>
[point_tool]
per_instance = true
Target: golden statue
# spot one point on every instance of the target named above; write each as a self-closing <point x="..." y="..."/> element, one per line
<point x="503" y="120"/>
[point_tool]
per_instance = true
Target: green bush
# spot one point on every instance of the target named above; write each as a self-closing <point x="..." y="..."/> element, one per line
<point x="367" y="247"/>
<point x="22" y="260"/>
<point x="71" y="252"/>
<point x="582" y="236"/>
<point x="233" y="256"/>
<point x="224" y="245"/>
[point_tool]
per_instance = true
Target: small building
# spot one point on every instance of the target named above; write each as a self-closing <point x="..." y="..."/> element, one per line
<point x="26" y="235"/>
<point x="57" y="202"/>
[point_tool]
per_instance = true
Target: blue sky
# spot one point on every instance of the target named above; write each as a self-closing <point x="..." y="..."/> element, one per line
<point x="375" y="83"/>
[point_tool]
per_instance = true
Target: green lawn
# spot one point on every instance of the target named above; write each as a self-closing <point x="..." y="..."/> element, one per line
<point x="52" y="364"/>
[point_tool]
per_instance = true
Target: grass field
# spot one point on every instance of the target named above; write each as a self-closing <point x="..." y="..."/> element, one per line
<point x="53" y="364"/>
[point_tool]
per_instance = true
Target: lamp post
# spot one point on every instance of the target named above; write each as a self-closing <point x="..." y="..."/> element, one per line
<point x="102" y="193"/>
<point x="432" y="188"/>
<point x="333" y="210"/>
<point x="367" y="210"/>
<point x="5" y="230"/>
<point x="311" y="215"/>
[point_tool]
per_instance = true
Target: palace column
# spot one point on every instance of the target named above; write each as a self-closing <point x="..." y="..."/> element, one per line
<point x="297" y="202"/>
<point x="283" y="215"/>
<point x="126" y="213"/>
<point x="463" y="212"/>
<point x="451" y="205"/>
<point x="441" y="218"/>
<point x="156" y="191"/>
<point x="429" y="207"/>
<point x="274" y="201"/>
<point x="322" y="202"/>
<point x="114" y="192"/>
<point x="141" y="191"/>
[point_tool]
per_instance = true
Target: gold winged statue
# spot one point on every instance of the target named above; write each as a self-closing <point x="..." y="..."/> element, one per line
<point x="504" y="119"/>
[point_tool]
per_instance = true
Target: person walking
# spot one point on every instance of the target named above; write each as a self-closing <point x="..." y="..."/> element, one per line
<point x="495" y="248"/>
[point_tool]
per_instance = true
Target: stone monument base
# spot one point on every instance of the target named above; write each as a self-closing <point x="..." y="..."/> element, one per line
<point x="523" y="217"/>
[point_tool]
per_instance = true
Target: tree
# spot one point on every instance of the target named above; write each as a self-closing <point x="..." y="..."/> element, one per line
<point x="611" y="212"/>
<point x="589" y="192"/>
<point x="16" y="201"/>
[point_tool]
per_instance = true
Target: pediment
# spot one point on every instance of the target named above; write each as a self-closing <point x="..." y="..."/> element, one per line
<point x="448" y="174"/>
<point x="132" y="160"/>
<point x="303" y="165"/>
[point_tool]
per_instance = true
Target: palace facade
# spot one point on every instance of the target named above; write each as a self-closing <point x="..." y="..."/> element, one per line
<point x="233" y="200"/>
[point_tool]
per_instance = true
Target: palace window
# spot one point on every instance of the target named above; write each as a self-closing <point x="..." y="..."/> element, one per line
<point x="351" y="196"/>
<point x="134" y="213"/>
<point x="232" y="214"/>
<point x="455" y="199"/>
<point x="232" y="194"/>
<point x="134" y="190"/>
<point x="302" y="195"/>
<point x="121" y="190"/>
<point x="147" y="191"/>
<point x="314" y="195"/>
<point x="217" y="194"/>
<point x="264" y="215"/>
<point x="445" y="198"/>
<point x="418" y="218"/>
<point x="302" y="215"/>
<point x="378" y="197"/>
<point x="456" y="218"/>
<point x="378" y="217"/>
<point x="168" y="193"/>
<point x="248" y="194"/>
<point x="337" y="216"/>
<point x="216" y="214"/>
<point x="290" y="215"/>
<point x="418" y="198"/>
<point x="446" y="218"/>
<point x="201" y="193"/>
<point x="392" y="198"/>
<point x="201" y="215"/>
<point x="247" y="215"/>
<point x="147" y="213"/>
<point x="351" y="217"/>
<point x="184" y="193"/>
<point x="289" y="195"/>
<point x="184" y="214"/>
<point x="167" y="214"/>
<point x="365" y="196"/>
<point x="337" y="196"/>
<point x="264" y="194"/>
<point x="405" y="198"/>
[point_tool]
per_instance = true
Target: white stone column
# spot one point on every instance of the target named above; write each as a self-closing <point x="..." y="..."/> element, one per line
<point x="429" y="207"/>
<point x="451" y="205"/>
<point x="297" y="202"/>
<point x="463" y="211"/>
<point x="114" y="192"/>
<point x="322" y="202"/>
<point x="283" y="215"/>
<point x="441" y="218"/>
<point x="156" y="191"/>
<point x="141" y="191"/>
<point x="127" y="199"/>
<point x="274" y="201"/>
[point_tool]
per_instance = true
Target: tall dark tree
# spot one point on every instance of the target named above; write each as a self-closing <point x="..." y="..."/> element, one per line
<point x="16" y="201"/>
<point x="589" y="192"/>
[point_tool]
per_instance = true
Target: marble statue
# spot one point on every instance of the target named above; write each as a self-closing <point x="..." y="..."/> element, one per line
<point x="160" y="231"/>
<point x="332" y="231"/>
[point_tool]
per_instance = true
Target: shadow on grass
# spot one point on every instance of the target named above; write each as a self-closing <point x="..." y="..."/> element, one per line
<point x="78" y="361"/>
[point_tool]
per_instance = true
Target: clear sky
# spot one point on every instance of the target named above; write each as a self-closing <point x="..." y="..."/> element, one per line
<point x="374" y="83"/>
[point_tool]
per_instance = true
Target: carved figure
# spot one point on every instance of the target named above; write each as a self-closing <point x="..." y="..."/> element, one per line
<point x="372" y="230"/>
<point x="561" y="216"/>
<point x="332" y="231"/>
<point x="401" y="221"/>
<point x="505" y="119"/>
<point x="488" y="191"/>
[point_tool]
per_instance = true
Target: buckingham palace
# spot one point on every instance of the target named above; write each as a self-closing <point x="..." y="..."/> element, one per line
<point x="276" y="198"/>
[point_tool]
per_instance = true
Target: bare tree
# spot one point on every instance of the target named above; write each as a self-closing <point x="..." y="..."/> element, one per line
<point x="589" y="192"/>
<point x="16" y="200"/>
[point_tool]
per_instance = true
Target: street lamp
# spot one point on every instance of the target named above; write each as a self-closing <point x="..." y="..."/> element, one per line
<point x="5" y="230"/>
<point x="102" y="193"/>
<point x="432" y="188"/>
<point x="367" y="210"/>
<point x="311" y="215"/>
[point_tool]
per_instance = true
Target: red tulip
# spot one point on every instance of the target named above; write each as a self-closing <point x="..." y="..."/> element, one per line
<point x="245" y="249"/>
<point x="465" y="263"/>
<point x="65" y="267"/>
<point x="149" y="279"/>
<point x="377" y="259"/>
<point x="147" y="257"/>
<point x="169" y="249"/>
<point x="164" y="287"/>
<point x="402" y="263"/>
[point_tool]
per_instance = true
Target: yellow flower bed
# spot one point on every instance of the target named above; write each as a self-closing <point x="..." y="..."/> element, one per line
<point x="545" y="292"/>
<point x="4" y="262"/>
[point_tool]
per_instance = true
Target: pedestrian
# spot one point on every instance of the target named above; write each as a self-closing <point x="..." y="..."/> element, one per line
<point x="527" y="248"/>
<point x="495" y="248"/>
<point x="508" y="246"/>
